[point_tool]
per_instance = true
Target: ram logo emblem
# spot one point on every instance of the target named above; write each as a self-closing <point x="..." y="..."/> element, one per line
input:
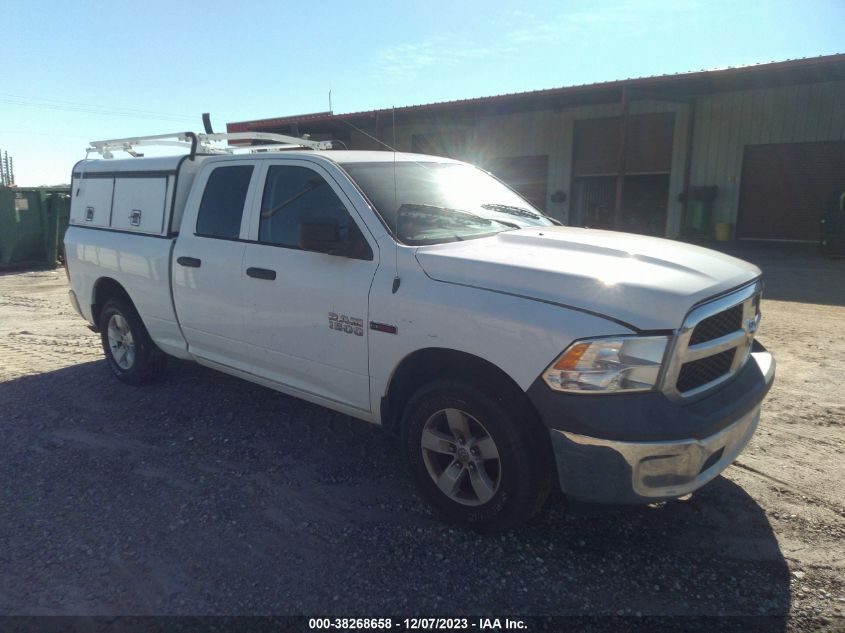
<point x="752" y="324"/>
<point x="346" y="324"/>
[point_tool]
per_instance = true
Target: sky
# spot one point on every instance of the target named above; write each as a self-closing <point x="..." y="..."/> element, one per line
<point x="93" y="69"/>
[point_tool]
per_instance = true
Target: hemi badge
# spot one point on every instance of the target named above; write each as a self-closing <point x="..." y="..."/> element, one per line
<point x="383" y="327"/>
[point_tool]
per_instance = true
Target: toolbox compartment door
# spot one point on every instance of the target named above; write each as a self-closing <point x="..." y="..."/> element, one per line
<point x="91" y="201"/>
<point x="140" y="204"/>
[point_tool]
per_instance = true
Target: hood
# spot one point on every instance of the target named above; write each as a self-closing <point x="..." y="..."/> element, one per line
<point x="648" y="282"/>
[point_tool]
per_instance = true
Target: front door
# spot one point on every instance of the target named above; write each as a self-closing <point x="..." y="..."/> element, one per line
<point x="305" y="312"/>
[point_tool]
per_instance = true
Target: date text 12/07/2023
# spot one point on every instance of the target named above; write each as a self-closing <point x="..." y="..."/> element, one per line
<point x="417" y="624"/>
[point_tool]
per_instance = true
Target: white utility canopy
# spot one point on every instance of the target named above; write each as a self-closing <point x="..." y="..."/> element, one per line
<point x="147" y="194"/>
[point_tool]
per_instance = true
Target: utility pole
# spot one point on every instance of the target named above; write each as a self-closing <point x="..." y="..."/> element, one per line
<point x="7" y="170"/>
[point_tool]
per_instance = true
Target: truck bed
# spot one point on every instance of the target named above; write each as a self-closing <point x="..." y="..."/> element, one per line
<point x="138" y="262"/>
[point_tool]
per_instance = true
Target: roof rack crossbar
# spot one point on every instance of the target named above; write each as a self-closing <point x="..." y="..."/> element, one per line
<point x="203" y="142"/>
<point x="281" y="139"/>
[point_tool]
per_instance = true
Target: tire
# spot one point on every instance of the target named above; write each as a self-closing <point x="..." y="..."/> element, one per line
<point x="498" y="477"/>
<point x="130" y="352"/>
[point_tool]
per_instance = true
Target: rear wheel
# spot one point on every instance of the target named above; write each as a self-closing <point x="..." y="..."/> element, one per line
<point x="130" y="352"/>
<point x="474" y="458"/>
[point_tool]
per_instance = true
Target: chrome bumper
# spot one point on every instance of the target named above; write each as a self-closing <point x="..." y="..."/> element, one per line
<point x="667" y="470"/>
<point x="616" y="471"/>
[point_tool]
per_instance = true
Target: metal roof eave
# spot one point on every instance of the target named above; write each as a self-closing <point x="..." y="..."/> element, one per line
<point x="680" y="86"/>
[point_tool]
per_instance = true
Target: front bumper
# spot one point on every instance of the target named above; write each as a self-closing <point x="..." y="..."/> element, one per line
<point x="618" y="467"/>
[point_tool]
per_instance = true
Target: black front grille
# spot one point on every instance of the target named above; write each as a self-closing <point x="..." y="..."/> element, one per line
<point x="699" y="372"/>
<point x="717" y="325"/>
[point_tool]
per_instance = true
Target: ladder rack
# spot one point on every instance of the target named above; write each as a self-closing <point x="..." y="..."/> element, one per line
<point x="204" y="143"/>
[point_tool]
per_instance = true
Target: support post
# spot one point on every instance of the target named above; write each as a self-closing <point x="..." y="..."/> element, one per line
<point x="687" y="167"/>
<point x="620" y="161"/>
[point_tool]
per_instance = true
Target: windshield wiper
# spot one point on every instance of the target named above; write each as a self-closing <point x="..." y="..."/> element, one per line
<point x="447" y="212"/>
<point x="510" y="225"/>
<point x="506" y="208"/>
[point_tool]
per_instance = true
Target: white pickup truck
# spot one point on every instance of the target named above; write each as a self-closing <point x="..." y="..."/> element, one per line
<point x="508" y="353"/>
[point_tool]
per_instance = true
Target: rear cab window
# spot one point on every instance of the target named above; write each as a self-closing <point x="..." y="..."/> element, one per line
<point x="223" y="201"/>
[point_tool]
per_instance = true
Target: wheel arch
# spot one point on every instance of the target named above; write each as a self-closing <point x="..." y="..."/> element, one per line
<point x="424" y="365"/>
<point x="106" y="288"/>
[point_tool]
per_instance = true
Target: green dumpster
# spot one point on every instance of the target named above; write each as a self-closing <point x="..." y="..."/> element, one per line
<point x="21" y="228"/>
<point x="55" y="208"/>
<point x="32" y="225"/>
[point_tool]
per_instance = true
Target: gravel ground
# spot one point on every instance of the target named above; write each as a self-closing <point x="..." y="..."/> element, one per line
<point x="203" y="494"/>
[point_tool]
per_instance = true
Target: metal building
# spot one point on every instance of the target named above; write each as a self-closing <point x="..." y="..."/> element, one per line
<point x="753" y="152"/>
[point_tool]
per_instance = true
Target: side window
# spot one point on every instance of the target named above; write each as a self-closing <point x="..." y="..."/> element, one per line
<point x="293" y="195"/>
<point x="223" y="202"/>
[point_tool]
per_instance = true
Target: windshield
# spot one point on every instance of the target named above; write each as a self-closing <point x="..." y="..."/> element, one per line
<point x="432" y="203"/>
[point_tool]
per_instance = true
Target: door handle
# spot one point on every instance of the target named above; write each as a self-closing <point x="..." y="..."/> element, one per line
<point x="261" y="273"/>
<point x="190" y="262"/>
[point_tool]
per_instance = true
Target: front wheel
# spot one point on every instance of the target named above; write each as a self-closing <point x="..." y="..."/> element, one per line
<point x="130" y="352"/>
<point x="474" y="458"/>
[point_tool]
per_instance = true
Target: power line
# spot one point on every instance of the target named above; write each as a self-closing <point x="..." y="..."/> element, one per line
<point x="82" y="106"/>
<point x="90" y="108"/>
<point x="101" y="112"/>
<point x="42" y="133"/>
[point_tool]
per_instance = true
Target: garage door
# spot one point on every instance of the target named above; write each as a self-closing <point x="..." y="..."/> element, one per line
<point x="786" y="187"/>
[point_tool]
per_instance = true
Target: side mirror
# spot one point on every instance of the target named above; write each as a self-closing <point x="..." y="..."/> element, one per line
<point x="322" y="237"/>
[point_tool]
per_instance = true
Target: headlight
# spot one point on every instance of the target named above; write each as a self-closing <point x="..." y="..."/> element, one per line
<point x="620" y="364"/>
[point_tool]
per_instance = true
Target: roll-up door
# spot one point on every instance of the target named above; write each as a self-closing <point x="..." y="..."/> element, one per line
<point x="786" y="187"/>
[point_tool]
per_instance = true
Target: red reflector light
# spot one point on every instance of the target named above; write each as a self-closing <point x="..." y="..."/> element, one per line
<point x="383" y="327"/>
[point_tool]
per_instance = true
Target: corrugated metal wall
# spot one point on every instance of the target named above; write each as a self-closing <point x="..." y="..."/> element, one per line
<point x="543" y="132"/>
<point x="725" y="123"/>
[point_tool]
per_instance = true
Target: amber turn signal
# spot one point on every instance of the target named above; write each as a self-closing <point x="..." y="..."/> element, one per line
<point x="569" y="360"/>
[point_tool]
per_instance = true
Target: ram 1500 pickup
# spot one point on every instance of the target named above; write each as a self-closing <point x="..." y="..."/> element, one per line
<point x="507" y="353"/>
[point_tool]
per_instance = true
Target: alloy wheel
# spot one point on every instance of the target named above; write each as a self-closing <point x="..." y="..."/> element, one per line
<point x="121" y="343"/>
<point x="461" y="457"/>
